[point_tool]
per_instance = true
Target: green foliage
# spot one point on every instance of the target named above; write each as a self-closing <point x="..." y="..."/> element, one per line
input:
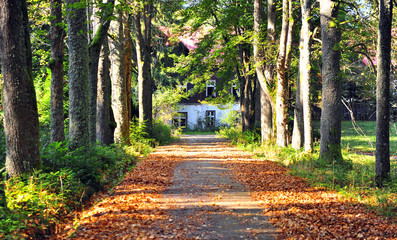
<point x="95" y="166"/>
<point x="141" y="143"/>
<point x="36" y="202"/>
<point x="165" y="103"/>
<point x="234" y="133"/>
<point x="161" y="132"/>
<point x="43" y="95"/>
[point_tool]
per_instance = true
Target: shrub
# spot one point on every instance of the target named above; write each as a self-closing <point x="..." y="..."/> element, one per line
<point x="161" y="133"/>
<point x="37" y="201"/>
<point x="94" y="166"/>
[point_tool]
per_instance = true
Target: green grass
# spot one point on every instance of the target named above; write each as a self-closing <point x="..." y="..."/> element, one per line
<point x="362" y="136"/>
<point x="354" y="178"/>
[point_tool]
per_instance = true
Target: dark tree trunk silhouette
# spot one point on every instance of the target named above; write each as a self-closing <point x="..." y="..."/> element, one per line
<point x="145" y="84"/>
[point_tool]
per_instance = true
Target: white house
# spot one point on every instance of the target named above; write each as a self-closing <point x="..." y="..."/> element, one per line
<point x="193" y="114"/>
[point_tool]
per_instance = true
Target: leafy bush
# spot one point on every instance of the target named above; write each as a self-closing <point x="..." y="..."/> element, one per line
<point x="37" y="201"/>
<point x="237" y="136"/>
<point x="141" y="143"/>
<point x="161" y="133"/>
<point x="94" y="166"/>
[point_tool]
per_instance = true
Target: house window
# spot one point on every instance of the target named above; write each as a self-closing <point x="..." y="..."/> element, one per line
<point x="210" y="90"/>
<point x="180" y="120"/>
<point x="235" y="91"/>
<point x="210" y="118"/>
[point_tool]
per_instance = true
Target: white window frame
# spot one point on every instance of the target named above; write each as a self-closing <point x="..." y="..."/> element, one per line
<point x="211" y="83"/>
<point x="210" y="116"/>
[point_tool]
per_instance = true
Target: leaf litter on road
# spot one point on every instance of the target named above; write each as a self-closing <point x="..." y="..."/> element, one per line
<point x="135" y="210"/>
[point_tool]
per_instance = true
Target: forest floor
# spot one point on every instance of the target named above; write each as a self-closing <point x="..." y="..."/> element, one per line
<point x="203" y="188"/>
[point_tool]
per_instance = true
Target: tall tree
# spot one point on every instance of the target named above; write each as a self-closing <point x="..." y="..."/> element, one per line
<point x="246" y="85"/>
<point x="104" y="132"/>
<point x="117" y="74"/>
<point x="264" y="72"/>
<point x="382" y="155"/>
<point x="331" y="113"/>
<point x="21" y="123"/>
<point x="302" y="133"/>
<point x="78" y="74"/>
<point x="94" y="50"/>
<point x="143" y="42"/>
<point x="282" y="82"/>
<point x="304" y="72"/>
<point x="57" y="35"/>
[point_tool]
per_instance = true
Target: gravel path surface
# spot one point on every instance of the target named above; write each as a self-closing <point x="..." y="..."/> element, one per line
<point x="206" y="201"/>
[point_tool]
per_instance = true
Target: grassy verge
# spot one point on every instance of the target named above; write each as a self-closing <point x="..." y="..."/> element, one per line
<point x="354" y="179"/>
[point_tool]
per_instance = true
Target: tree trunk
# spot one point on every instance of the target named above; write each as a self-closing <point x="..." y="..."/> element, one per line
<point x="143" y="39"/>
<point x="382" y="155"/>
<point x="21" y="123"/>
<point x="78" y="76"/>
<point x="94" y="50"/>
<point x="57" y="35"/>
<point x="247" y="101"/>
<point x="330" y="149"/>
<point x="304" y="72"/>
<point x="264" y="73"/>
<point x="104" y="132"/>
<point x="128" y="66"/>
<point x="298" y="130"/>
<point x="302" y="132"/>
<point x="257" y="104"/>
<point x="119" y="94"/>
<point x="282" y="83"/>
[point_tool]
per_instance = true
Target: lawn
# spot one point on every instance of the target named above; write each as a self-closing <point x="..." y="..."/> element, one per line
<point x="361" y="136"/>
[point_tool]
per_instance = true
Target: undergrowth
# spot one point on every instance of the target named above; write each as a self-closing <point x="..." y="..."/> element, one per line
<point x="354" y="177"/>
<point x="36" y="202"/>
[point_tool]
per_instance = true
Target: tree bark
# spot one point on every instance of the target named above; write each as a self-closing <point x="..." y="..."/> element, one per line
<point x="78" y="76"/>
<point x="119" y="94"/>
<point x="382" y="155"/>
<point x="330" y="149"/>
<point x="104" y="132"/>
<point x="21" y="123"/>
<point x="57" y="35"/>
<point x="247" y="100"/>
<point x="298" y="129"/>
<point x="94" y="50"/>
<point x="304" y="72"/>
<point x="145" y="85"/>
<point x="264" y="73"/>
<point x="302" y="132"/>
<point x="282" y="83"/>
<point x="128" y="66"/>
